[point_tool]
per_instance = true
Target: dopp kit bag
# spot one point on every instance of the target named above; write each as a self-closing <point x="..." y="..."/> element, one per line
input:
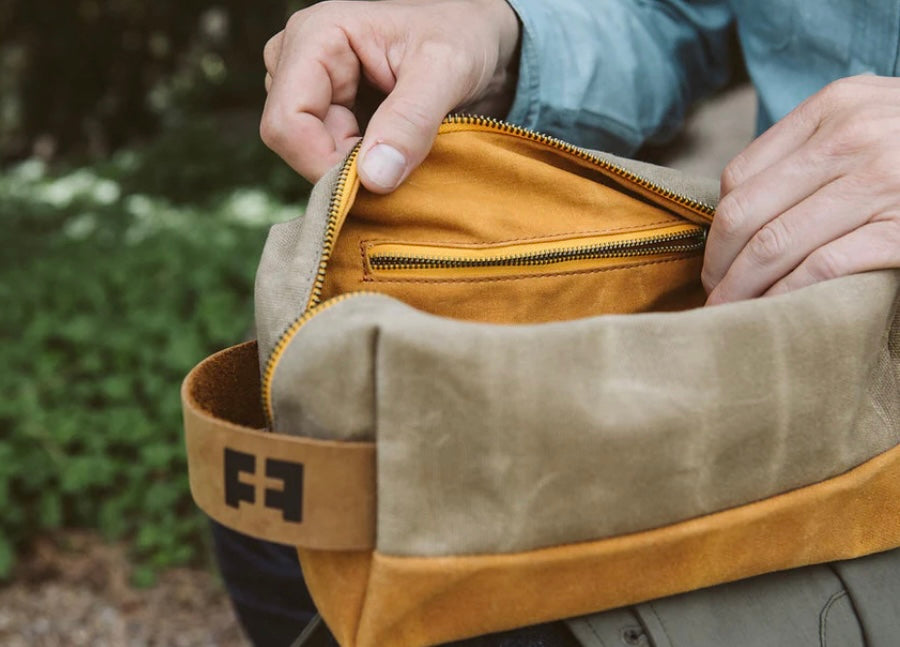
<point x="492" y="399"/>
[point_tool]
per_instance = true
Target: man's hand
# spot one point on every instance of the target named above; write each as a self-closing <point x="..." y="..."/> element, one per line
<point x="428" y="56"/>
<point x="815" y="197"/>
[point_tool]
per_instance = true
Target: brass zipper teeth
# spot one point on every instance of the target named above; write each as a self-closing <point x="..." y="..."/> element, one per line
<point x="313" y="305"/>
<point x="331" y="227"/>
<point x="512" y="129"/>
<point x="618" y="249"/>
<point x="285" y="339"/>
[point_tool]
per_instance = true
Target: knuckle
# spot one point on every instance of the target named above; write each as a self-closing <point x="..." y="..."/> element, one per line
<point x="769" y="243"/>
<point x="296" y="19"/>
<point x="830" y="100"/>
<point x="328" y="11"/>
<point x="851" y="136"/>
<point x="412" y="115"/>
<point x="271" y="129"/>
<point x="708" y="280"/>
<point x="838" y="93"/>
<point x="271" y="47"/>
<point x="332" y="44"/>
<point x="807" y="117"/>
<point x="313" y="14"/>
<point x="453" y="56"/>
<point x="439" y="52"/>
<point x="733" y="175"/>
<point x="826" y="263"/>
<point x="730" y="216"/>
<point x="882" y="173"/>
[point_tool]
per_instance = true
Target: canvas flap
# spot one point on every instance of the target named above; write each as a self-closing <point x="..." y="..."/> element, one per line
<point x="499" y="438"/>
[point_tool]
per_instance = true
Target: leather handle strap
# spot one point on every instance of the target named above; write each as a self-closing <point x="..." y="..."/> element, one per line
<point x="293" y="490"/>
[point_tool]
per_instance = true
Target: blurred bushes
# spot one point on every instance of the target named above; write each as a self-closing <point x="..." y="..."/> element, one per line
<point x="115" y="279"/>
<point x="86" y="76"/>
<point x="120" y="274"/>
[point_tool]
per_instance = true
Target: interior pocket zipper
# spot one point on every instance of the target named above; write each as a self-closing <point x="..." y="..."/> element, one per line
<point x="408" y="260"/>
<point x="347" y="183"/>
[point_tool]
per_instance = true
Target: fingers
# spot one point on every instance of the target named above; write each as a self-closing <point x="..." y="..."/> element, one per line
<point x="801" y="124"/>
<point x="312" y="84"/>
<point x="871" y="247"/>
<point x="272" y="52"/>
<point x="791" y="211"/>
<point x="785" y="241"/>
<point x="402" y="130"/>
<point x="779" y="141"/>
<point x="746" y="210"/>
<point x="427" y="57"/>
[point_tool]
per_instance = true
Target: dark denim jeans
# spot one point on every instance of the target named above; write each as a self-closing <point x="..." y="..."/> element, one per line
<point x="273" y="605"/>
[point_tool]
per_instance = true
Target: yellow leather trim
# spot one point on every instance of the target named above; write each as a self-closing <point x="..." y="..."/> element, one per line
<point x="220" y="399"/>
<point x="338" y="582"/>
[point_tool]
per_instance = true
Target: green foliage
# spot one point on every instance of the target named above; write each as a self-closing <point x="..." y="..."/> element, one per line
<point x="115" y="279"/>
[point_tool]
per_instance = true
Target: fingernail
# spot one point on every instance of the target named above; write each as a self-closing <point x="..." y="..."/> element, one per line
<point x="384" y="165"/>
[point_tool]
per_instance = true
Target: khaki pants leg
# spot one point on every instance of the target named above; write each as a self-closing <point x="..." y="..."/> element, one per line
<point x="854" y="603"/>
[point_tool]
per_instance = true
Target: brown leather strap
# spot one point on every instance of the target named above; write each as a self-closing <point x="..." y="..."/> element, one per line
<point x="313" y="493"/>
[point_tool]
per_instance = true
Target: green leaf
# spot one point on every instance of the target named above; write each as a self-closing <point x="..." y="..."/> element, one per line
<point x="50" y="510"/>
<point x="7" y="557"/>
<point x="108" y="302"/>
<point x="143" y="577"/>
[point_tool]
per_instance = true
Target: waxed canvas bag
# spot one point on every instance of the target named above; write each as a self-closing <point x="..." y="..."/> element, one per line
<point x="492" y="399"/>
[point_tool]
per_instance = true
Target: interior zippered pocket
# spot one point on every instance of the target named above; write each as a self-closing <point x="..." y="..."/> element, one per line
<point x="504" y="225"/>
<point x="426" y="261"/>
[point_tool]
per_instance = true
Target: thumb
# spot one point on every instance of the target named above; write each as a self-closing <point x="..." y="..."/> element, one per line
<point x="402" y="130"/>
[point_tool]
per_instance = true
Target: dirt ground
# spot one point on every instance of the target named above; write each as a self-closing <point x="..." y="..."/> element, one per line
<point x="74" y="591"/>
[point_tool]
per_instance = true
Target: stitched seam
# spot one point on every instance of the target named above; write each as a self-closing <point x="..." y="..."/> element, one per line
<point x="848" y="591"/>
<point x="823" y="617"/>
<point x="519" y="277"/>
<point x="548" y="237"/>
<point x="309" y="277"/>
<point x="364" y="259"/>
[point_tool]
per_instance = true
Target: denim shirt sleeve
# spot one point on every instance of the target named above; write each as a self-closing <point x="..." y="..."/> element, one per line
<point x="615" y="74"/>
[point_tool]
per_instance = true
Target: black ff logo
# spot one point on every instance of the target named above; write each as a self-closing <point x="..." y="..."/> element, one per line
<point x="289" y="499"/>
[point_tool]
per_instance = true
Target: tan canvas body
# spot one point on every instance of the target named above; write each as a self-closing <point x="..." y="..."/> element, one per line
<point x="489" y="446"/>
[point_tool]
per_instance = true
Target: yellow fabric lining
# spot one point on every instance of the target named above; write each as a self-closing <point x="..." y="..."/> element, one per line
<point x="507" y="193"/>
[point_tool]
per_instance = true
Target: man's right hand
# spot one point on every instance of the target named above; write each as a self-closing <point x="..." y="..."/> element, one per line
<point x="428" y="56"/>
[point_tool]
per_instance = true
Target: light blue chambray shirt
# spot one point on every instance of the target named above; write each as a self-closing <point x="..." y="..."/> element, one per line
<point x="614" y="74"/>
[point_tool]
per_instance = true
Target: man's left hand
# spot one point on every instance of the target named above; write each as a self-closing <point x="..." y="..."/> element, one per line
<point x="815" y="197"/>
